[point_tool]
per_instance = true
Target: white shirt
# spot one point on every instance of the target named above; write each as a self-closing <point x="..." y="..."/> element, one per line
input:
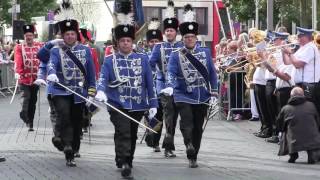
<point x="259" y="76"/>
<point x="310" y="73"/>
<point x="279" y="61"/>
<point x="290" y="70"/>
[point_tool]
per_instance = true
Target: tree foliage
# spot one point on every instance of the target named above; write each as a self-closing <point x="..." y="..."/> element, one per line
<point x="285" y="11"/>
<point x="28" y="9"/>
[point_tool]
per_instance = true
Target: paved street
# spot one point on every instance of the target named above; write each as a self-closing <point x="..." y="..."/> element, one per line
<point x="229" y="151"/>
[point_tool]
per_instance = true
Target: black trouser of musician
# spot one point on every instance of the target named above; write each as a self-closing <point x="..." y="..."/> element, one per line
<point x="159" y="116"/>
<point x="260" y="97"/>
<point x="170" y="115"/>
<point x="29" y="100"/>
<point x="271" y="100"/>
<point x="53" y="117"/>
<point x="283" y="95"/>
<point x="312" y="93"/>
<point x="192" y="119"/>
<point x="125" y="135"/>
<point x="69" y="118"/>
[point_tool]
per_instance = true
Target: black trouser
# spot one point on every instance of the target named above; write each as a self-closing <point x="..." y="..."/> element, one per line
<point x="125" y="135"/>
<point x="29" y="100"/>
<point x="86" y="117"/>
<point x="192" y="118"/>
<point x="53" y="117"/>
<point x="159" y="116"/>
<point x="170" y="115"/>
<point x="271" y="100"/>
<point x="312" y="92"/>
<point x="283" y="95"/>
<point x="69" y="118"/>
<point x="260" y="96"/>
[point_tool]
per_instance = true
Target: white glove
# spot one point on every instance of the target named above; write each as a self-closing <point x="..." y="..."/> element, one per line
<point x="53" y="78"/>
<point x="57" y="42"/>
<point x="17" y="76"/>
<point x="167" y="91"/>
<point x="101" y="96"/>
<point x="40" y="82"/>
<point x="90" y="99"/>
<point x="152" y="112"/>
<point x="212" y="100"/>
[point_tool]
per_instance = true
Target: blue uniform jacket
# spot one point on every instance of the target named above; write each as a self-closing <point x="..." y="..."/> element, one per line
<point x="127" y="82"/>
<point x="188" y="84"/>
<point x="69" y="74"/>
<point x="162" y="51"/>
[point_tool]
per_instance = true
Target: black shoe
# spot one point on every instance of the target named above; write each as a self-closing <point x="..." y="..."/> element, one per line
<point x="293" y="158"/>
<point x="193" y="163"/>
<point x="85" y="130"/>
<point x="31" y="130"/>
<point x="77" y="155"/>
<point x="157" y="149"/>
<point x="2" y="159"/>
<point x="69" y="154"/>
<point x="71" y="163"/>
<point x="273" y="139"/>
<point x="254" y="119"/>
<point x="56" y="141"/>
<point x="126" y="170"/>
<point x="263" y="134"/>
<point x="190" y="150"/>
<point x="169" y="154"/>
<point x="311" y="157"/>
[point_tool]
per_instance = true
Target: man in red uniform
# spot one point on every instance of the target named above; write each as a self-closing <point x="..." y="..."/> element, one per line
<point x="26" y="68"/>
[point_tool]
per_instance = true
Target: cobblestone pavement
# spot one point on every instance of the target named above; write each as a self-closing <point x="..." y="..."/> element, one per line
<point x="229" y="151"/>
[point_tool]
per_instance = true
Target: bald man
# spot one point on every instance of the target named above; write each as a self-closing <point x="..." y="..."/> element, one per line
<point x="300" y="124"/>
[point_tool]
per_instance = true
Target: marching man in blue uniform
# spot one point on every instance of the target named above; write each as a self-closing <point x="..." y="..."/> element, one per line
<point x="159" y="60"/>
<point x="126" y="83"/>
<point x="193" y="80"/>
<point x="71" y="66"/>
<point x="153" y="36"/>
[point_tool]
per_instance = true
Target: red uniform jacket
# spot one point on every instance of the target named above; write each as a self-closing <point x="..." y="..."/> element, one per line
<point x="94" y="54"/>
<point x="27" y="62"/>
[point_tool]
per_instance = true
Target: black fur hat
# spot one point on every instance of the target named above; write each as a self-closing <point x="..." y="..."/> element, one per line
<point x="170" y="20"/>
<point x="125" y="21"/>
<point x="189" y="26"/>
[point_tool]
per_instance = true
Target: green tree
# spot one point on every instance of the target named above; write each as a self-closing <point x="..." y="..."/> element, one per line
<point x="28" y="9"/>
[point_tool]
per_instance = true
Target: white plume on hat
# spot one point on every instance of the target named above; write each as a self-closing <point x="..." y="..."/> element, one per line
<point x="125" y="16"/>
<point x="169" y="13"/>
<point x="154" y="24"/>
<point x="66" y="11"/>
<point x="189" y="14"/>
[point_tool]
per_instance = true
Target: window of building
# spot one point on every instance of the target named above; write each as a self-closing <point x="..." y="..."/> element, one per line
<point x="201" y="16"/>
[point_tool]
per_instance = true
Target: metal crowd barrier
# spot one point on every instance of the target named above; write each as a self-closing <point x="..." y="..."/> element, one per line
<point x="232" y="90"/>
<point x="236" y="93"/>
<point x="7" y="81"/>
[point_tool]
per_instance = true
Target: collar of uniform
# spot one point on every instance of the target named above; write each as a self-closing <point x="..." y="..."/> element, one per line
<point x="172" y="43"/>
<point x="192" y="51"/>
<point x="125" y="56"/>
<point x="73" y="47"/>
